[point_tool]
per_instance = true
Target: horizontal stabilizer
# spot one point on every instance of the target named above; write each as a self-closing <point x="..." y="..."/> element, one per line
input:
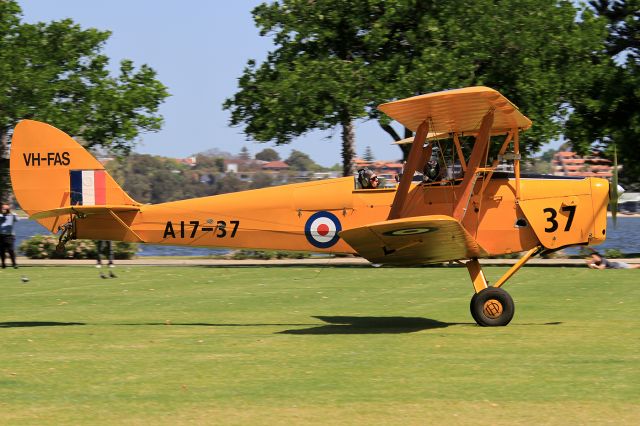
<point x="413" y="241"/>
<point x="85" y="210"/>
<point x="95" y="222"/>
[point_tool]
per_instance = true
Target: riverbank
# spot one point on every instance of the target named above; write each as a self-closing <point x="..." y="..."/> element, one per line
<point x="317" y="262"/>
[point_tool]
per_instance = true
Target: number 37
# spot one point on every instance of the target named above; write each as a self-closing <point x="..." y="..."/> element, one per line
<point x="553" y="223"/>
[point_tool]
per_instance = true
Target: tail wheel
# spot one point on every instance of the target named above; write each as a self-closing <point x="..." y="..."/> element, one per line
<point x="492" y="307"/>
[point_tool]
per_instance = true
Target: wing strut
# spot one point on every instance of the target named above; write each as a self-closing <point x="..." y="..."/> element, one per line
<point x="478" y="157"/>
<point x="413" y="162"/>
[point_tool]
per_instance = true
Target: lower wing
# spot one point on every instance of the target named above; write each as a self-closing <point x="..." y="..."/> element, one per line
<point x="413" y="241"/>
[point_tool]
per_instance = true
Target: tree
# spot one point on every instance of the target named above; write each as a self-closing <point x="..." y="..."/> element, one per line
<point x="230" y="183"/>
<point x="537" y="53"/>
<point x="300" y="161"/>
<point x="336" y="60"/>
<point x="606" y="113"/>
<point x="152" y="179"/>
<point x="206" y="162"/>
<point x="244" y="154"/>
<point x="312" y="80"/>
<point x="55" y="72"/>
<point x="368" y="154"/>
<point x="268" y="154"/>
<point x="261" y="180"/>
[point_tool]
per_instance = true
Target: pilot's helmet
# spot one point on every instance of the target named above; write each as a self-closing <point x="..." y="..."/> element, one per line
<point x="432" y="170"/>
<point x="365" y="176"/>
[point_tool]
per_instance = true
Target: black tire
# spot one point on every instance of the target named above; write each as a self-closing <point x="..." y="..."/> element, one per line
<point x="473" y="312"/>
<point x="492" y="307"/>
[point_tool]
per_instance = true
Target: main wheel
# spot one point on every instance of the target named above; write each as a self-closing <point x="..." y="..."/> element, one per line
<point x="492" y="307"/>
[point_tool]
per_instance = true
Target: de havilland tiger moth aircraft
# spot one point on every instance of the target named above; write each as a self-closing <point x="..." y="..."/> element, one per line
<point x="465" y="207"/>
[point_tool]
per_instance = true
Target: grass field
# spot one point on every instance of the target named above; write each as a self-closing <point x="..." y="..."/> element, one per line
<point x="293" y="345"/>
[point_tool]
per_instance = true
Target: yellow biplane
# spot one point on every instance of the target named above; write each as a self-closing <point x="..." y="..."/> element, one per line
<point x="477" y="205"/>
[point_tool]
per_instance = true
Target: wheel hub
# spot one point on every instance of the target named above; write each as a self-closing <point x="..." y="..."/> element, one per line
<point x="492" y="308"/>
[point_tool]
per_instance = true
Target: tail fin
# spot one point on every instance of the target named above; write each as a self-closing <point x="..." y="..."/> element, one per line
<point x="50" y="172"/>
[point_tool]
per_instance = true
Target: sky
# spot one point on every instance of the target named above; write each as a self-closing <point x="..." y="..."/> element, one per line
<point x="199" y="49"/>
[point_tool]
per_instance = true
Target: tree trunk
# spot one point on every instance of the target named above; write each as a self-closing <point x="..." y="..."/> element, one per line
<point x="348" y="145"/>
<point x="406" y="148"/>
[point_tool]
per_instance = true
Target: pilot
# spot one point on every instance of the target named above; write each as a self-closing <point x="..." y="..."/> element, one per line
<point x="367" y="179"/>
<point x="431" y="171"/>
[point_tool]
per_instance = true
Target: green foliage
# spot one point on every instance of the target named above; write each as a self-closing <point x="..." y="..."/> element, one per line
<point x="613" y="253"/>
<point x="368" y="154"/>
<point x="230" y="183"/>
<point x="312" y="80"/>
<point x="268" y="154"/>
<point x="206" y="162"/>
<point x="534" y="52"/>
<point x="44" y="247"/>
<point x="55" y="72"/>
<point x="606" y="112"/>
<point x="268" y="254"/>
<point x="244" y="154"/>
<point x="153" y="179"/>
<point x="261" y="180"/>
<point x="547" y="156"/>
<point x="302" y="162"/>
<point x="336" y="60"/>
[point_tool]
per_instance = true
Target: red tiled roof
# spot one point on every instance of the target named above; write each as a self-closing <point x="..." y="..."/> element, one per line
<point x="275" y="165"/>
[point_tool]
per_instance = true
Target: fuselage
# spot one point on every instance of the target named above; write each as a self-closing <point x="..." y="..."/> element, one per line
<point x="308" y="216"/>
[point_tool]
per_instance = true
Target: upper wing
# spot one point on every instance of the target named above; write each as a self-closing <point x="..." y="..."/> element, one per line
<point x="413" y="241"/>
<point x="457" y="111"/>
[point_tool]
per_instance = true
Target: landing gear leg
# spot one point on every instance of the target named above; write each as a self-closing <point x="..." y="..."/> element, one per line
<point x="489" y="306"/>
<point x="492" y="306"/>
<point x="68" y="233"/>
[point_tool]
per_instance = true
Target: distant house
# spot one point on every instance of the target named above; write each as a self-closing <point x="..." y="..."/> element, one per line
<point x="275" y="166"/>
<point x="189" y="161"/>
<point x="359" y="163"/>
<point x="568" y="163"/>
<point x="104" y="160"/>
<point x="389" y="168"/>
<point x="231" y="167"/>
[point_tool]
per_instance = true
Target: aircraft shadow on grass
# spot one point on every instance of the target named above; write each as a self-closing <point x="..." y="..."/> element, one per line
<point x="379" y="325"/>
<point x="371" y="325"/>
<point x="18" y="324"/>
<point x="334" y="325"/>
<point x="342" y="325"/>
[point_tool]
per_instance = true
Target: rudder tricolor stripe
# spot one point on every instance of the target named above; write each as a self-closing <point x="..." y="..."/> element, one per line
<point x="88" y="187"/>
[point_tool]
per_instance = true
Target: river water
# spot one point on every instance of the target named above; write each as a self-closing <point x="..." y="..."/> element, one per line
<point x="27" y="228"/>
<point x="624" y="237"/>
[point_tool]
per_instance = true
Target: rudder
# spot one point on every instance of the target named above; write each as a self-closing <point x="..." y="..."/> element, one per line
<point x="50" y="170"/>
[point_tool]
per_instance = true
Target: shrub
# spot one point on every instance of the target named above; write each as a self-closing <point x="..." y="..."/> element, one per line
<point x="613" y="253"/>
<point x="266" y="254"/>
<point x="44" y="247"/>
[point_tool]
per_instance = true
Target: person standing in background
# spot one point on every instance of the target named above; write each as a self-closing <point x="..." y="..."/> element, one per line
<point x="7" y="235"/>
<point x="100" y="247"/>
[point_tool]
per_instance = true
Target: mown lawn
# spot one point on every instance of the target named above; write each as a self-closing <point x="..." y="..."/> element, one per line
<point x="294" y="345"/>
